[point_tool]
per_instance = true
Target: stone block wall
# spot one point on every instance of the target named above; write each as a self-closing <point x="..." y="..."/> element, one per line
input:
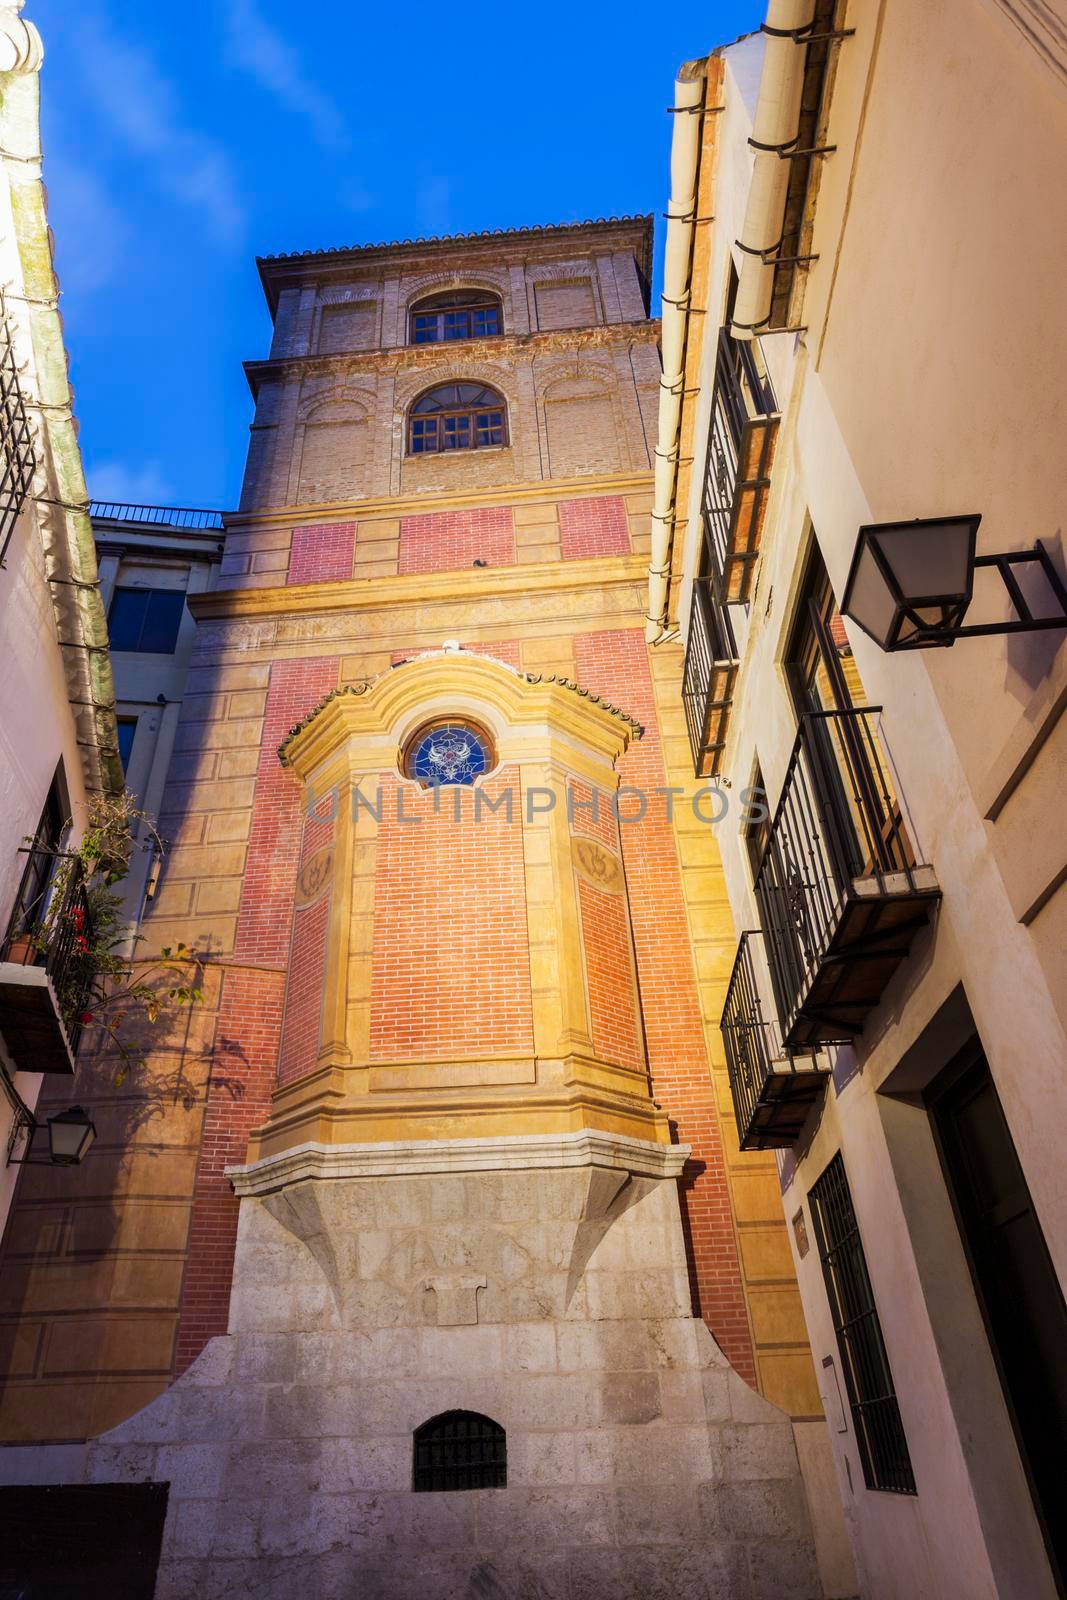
<point x="638" y="1463"/>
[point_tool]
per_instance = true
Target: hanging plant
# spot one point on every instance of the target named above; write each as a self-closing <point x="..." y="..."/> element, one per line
<point x="105" y="987"/>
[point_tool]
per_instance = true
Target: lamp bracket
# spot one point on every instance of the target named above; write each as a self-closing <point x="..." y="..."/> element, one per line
<point x="1025" y="621"/>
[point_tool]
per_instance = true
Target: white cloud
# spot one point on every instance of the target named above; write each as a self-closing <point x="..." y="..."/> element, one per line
<point x="92" y="235"/>
<point x="261" y="51"/>
<point x="145" y="109"/>
<point x="143" y="485"/>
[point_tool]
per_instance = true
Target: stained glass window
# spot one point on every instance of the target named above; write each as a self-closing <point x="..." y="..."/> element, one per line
<point x="448" y="752"/>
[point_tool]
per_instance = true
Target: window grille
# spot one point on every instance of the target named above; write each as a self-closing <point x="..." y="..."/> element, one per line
<point x="460" y="1450"/>
<point x="17" y="460"/>
<point x="875" y="1414"/>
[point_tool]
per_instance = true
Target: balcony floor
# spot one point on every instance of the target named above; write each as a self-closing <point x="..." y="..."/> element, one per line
<point x="30" y="1023"/>
<point x="786" y="1097"/>
<point x="874" y="933"/>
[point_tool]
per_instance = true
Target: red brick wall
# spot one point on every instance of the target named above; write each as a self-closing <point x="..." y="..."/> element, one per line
<point x="322" y="553"/>
<point x="593" y="527"/>
<point x="440" y="541"/>
<point x="245" y="1050"/>
<point x="610" y="976"/>
<point x="451" y="960"/>
<point x="263" y="921"/>
<point x="615" y="664"/>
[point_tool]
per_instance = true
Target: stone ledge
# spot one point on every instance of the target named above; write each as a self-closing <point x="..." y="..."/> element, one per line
<point x="518" y="1153"/>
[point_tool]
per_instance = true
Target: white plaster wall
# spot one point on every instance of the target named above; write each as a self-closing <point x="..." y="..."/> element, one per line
<point x="932" y="325"/>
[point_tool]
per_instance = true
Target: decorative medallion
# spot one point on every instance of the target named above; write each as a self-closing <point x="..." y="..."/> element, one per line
<point x="448" y="752"/>
<point x="597" y="865"/>
<point x="314" y="876"/>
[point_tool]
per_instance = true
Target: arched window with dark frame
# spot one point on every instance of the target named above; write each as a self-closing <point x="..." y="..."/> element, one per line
<point x="460" y="1450"/>
<point x="457" y="416"/>
<point x="457" y="314"/>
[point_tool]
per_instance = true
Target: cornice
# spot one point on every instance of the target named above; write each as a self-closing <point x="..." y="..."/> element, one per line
<point x="389" y="507"/>
<point x="366" y="594"/>
<point x="523" y="693"/>
<point x="397" y="357"/>
<point x="515" y="1153"/>
<point x="545" y="241"/>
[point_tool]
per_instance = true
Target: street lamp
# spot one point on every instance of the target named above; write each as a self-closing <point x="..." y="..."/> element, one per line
<point x="70" y="1133"/>
<point x="911" y="583"/>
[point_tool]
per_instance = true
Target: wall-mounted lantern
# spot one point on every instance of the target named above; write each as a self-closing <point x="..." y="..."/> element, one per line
<point x="911" y="583"/>
<point x="70" y="1132"/>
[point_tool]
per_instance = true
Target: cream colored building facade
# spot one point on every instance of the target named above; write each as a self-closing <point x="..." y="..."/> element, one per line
<point x="57" y="718"/>
<point x="895" y="352"/>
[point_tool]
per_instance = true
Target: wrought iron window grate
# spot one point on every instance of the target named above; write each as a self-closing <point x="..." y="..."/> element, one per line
<point x="460" y="1450"/>
<point x="17" y="461"/>
<point x="872" y="1398"/>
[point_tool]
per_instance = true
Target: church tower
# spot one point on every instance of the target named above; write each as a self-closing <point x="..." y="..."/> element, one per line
<point x="461" y="1217"/>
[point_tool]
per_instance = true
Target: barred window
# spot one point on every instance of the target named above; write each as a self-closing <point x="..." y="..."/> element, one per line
<point x="875" y="1413"/>
<point x="460" y="1450"/>
<point x="16" y="443"/>
<point x="459" y="314"/>
<point x="457" y="416"/>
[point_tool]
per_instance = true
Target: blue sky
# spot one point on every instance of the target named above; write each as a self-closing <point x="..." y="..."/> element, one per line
<point x="182" y="141"/>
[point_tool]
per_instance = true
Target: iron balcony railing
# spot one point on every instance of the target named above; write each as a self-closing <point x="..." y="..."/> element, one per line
<point x="838" y="892"/>
<point x="772" y="1087"/>
<point x="189" y="517"/>
<point x="708" y="678"/>
<point x="17" y="460"/>
<point x="741" y="441"/>
<point x="51" y="927"/>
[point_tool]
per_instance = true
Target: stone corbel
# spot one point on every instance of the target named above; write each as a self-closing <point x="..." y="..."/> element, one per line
<point x="21" y="49"/>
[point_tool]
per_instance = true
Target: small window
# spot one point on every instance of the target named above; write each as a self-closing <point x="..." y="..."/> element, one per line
<point x="146" y="619"/>
<point x="460" y="1450"/>
<point x="460" y="314"/>
<point x="875" y="1413"/>
<point x="127" y="727"/>
<point x="457" y="416"/>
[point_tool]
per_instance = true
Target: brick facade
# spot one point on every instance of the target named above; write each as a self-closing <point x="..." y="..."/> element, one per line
<point x="443" y="941"/>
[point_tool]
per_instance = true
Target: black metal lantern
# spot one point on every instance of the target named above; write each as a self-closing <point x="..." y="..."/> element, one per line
<point x="911" y="583"/>
<point x="70" y="1134"/>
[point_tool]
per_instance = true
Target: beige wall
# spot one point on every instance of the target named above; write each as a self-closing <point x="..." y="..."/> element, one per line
<point x="926" y="382"/>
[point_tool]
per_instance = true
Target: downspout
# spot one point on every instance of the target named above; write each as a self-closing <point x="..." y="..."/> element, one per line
<point x="774" y="131"/>
<point x="688" y="113"/>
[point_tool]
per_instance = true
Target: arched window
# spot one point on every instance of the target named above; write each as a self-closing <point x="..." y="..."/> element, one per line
<point x="460" y="1450"/>
<point x="457" y="416"/>
<point x="459" y="314"/>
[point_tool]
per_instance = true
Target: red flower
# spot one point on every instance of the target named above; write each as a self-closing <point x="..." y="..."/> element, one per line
<point x="77" y="916"/>
<point x="86" y="1016"/>
<point x="82" y="942"/>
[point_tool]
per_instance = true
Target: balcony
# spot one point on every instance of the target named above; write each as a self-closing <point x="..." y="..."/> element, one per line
<point x="46" y="976"/>
<point x="16" y="442"/>
<point x="744" y="431"/>
<point x="840" y="895"/>
<point x="773" y="1089"/>
<point x="708" y="678"/>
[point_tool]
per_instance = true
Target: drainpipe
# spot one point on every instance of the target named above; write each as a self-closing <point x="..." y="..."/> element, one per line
<point x="774" y="129"/>
<point x="677" y="270"/>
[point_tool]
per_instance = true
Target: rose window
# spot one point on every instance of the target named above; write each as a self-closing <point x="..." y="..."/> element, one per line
<point x="448" y="752"/>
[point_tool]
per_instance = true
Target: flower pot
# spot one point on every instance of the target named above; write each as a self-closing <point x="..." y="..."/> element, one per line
<point x="22" y="950"/>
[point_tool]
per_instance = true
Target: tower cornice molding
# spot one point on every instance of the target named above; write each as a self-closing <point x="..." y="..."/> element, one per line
<point x="392" y="359"/>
